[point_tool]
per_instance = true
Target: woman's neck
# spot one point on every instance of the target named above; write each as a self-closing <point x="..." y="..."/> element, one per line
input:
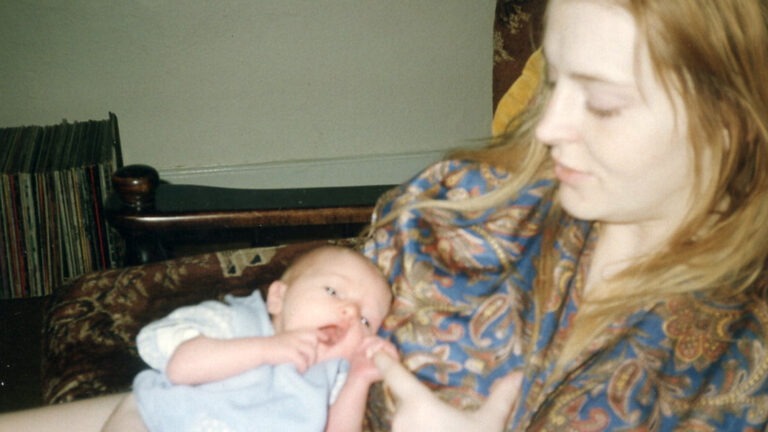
<point x="618" y="247"/>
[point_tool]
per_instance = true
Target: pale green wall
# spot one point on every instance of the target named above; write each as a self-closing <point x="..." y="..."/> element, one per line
<point x="201" y="86"/>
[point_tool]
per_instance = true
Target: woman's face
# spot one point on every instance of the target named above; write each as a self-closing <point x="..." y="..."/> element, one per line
<point x="618" y="139"/>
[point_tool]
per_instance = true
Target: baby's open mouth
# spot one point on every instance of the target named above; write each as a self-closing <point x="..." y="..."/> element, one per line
<point x="332" y="334"/>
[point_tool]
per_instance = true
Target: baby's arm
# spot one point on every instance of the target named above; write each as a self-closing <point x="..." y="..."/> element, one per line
<point x="202" y="343"/>
<point x="346" y="414"/>
<point x="205" y="359"/>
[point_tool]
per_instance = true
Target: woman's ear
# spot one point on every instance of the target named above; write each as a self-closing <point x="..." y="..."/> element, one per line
<point x="275" y="295"/>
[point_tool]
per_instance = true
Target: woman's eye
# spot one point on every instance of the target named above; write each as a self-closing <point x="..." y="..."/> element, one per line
<point x="603" y="112"/>
<point x="330" y="291"/>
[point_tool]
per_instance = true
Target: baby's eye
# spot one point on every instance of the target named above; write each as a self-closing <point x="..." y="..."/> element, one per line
<point x="331" y="291"/>
<point x="365" y="322"/>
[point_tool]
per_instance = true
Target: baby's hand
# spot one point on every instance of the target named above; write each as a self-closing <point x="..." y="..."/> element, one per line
<point x="298" y="347"/>
<point x="361" y="363"/>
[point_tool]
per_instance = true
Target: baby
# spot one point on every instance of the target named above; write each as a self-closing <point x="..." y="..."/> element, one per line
<point x="250" y="365"/>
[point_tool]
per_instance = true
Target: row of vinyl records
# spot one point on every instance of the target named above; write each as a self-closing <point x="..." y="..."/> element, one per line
<point x="54" y="181"/>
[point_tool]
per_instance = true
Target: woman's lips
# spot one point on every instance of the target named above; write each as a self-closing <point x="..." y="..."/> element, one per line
<point x="567" y="174"/>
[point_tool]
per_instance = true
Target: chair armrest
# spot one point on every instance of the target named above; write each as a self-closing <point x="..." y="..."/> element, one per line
<point x="150" y="214"/>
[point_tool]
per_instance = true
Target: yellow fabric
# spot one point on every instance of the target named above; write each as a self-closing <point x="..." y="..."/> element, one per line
<point x="519" y="93"/>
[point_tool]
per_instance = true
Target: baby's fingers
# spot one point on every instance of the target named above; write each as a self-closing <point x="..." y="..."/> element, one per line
<point x="301" y="349"/>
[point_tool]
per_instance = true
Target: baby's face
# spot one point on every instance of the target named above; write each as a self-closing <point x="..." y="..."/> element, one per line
<point x="339" y="293"/>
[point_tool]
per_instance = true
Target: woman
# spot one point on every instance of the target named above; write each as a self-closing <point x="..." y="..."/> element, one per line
<point x="609" y="251"/>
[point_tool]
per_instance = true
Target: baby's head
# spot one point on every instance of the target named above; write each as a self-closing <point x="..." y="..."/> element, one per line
<point x="333" y="289"/>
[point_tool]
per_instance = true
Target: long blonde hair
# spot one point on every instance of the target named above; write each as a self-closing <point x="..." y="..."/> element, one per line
<point x="714" y="53"/>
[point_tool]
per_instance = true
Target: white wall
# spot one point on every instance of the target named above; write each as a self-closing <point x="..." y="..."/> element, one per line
<point x="261" y="93"/>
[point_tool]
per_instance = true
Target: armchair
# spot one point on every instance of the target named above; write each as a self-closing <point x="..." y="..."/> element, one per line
<point x="91" y="323"/>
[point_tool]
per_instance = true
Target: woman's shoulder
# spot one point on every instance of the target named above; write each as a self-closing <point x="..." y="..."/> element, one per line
<point x="458" y="180"/>
<point x="456" y="174"/>
<point x="453" y="173"/>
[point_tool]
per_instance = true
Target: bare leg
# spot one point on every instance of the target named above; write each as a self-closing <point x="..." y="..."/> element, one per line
<point x="82" y="416"/>
<point x="126" y="417"/>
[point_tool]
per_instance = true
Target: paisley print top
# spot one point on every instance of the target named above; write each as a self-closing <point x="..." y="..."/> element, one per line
<point x="463" y="316"/>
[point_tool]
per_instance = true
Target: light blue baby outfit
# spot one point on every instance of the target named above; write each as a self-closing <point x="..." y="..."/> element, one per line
<point x="268" y="398"/>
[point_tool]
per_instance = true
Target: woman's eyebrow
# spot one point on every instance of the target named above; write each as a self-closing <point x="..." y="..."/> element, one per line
<point x="586" y="76"/>
<point x="596" y="78"/>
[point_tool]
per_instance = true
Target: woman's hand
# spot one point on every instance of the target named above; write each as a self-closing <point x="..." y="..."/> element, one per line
<point x="361" y="365"/>
<point x="419" y="410"/>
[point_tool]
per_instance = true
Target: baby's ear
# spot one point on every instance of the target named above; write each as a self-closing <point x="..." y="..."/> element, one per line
<point x="275" y="294"/>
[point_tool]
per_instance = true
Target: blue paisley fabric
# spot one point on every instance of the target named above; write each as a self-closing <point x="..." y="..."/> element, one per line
<point x="463" y="316"/>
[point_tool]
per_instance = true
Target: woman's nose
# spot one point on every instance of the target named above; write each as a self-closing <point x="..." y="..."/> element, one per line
<point x="559" y="121"/>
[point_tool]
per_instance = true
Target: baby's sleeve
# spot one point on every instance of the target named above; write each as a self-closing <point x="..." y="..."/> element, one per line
<point x="157" y="341"/>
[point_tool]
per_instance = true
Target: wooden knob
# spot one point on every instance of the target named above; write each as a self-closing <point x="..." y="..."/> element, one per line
<point x="136" y="185"/>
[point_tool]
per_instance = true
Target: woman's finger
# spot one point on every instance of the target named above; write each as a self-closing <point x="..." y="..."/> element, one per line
<point x="500" y="403"/>
<point x="400" y="381"/>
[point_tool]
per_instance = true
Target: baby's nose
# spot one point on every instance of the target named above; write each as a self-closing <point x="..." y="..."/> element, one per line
<point x="350" y="310"/>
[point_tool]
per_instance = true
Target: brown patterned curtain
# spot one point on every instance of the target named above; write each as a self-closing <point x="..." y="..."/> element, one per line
<point x="516" y="34"/>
